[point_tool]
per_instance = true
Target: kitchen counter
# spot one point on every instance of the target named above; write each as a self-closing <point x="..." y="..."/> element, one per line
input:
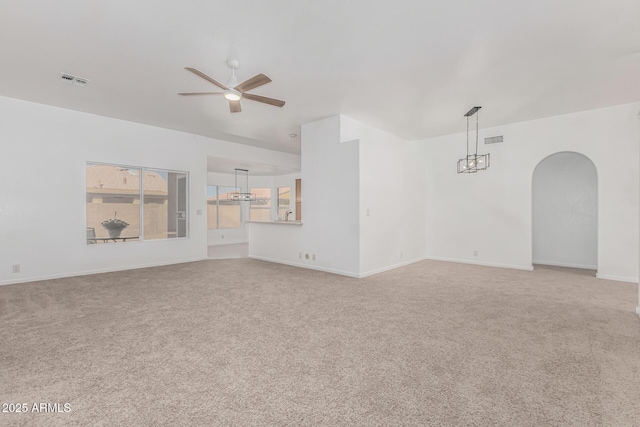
<point x="277" y="222"/>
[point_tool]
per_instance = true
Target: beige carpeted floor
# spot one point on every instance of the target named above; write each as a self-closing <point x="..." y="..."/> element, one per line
<point x="245" y="342"/>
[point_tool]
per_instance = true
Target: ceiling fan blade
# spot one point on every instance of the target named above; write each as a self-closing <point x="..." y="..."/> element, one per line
<point x="204" y="76"/>
<point x="263" y="99"/>
<point x="253" y="83"/>
<point x="234" y="106"/>
<point x="200" y="93"/>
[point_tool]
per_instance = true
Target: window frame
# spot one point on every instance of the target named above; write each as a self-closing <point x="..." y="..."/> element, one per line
<point x="267" y="208"/>
<point x="242" y="221"/>
<point x="142" y="170"/>
<point x="278" y="204"/>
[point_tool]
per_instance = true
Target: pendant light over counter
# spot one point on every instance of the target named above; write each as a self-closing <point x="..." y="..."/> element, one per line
<point x="474" y="162"/>
<point x="239" y="196"/>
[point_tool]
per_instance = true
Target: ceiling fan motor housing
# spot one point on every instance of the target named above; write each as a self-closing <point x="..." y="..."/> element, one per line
<point x="233" y="63"/>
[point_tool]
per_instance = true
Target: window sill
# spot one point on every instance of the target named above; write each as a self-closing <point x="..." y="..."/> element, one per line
<point x="280" y="222"/>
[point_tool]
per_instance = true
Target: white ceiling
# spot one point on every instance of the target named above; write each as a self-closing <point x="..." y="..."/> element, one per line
<point x="222" y="165"/>
<point x="410" y="67"/>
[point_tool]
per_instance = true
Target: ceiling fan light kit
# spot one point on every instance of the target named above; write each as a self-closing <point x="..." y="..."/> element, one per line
<point x="234" y="92"/>
<point x="232" y="95"/>
<point x="472" y="163"/>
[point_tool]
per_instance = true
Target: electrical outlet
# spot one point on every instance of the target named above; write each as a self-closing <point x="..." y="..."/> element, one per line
<point x="475" y="253"/>
<point x="16" y="268"/>
<point x="300" y="255"/>
<point x="199" y="212"/>
<point x="306" y="256"/>
<point x="368" y="212"/>
<point x="222" y="236"/>
<point x="314" y="257"/>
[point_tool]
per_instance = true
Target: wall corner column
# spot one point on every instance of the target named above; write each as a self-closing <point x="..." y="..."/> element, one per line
<point x="638" y="127"/>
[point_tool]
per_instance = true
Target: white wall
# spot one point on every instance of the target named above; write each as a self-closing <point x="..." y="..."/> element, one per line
<point x="491" y="211"/>
<point x="330" y="207"/>
<point x="330" y="176"/>
<point x="565" y="212"/>
<point x="44" y="152"/>
<point x="280" y="243"/>
<point x="360" y="214"/>
<point x="347" y="168"/>
<point x="391" y="217"/>
<point x="638" y="136"/>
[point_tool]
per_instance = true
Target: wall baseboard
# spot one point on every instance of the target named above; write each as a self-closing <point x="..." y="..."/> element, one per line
<point x="486" y="264"/>
<point x="228" y="242"/>
<point x="517" y="267"/>
<point x="391" y="267"/>
<point x="617" y="278"/>
<point x="340" y="272"/>
<point x="558" y="264"/>
<point x="97" y="271"/>
<point x="310" y="267"/>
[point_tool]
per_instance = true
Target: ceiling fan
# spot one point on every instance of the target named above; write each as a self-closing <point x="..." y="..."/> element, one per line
<point x="233" y="91"/>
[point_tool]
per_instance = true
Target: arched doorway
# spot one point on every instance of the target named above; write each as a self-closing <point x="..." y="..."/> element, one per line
<point x="565" y="211"/>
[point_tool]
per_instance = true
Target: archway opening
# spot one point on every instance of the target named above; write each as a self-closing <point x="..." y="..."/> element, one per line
<point x="565" y="212"/>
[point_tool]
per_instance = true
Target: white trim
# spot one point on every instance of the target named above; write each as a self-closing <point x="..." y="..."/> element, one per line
<point x="617" y="278"/>
<point x="307" y="266"/>
<point x="340" y="272"/>
<point x="279" y="222"/>
<point x="559" y="264"/>
<point x="487" y="264"/>
<point x="97" y="271"/>
<point x="223" y="242"/>
<point x="391" y="267"/>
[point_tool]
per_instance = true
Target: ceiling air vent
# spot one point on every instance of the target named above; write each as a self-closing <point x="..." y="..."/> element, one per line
<point x="493" y="140"/>
<point x="80" y="81"/>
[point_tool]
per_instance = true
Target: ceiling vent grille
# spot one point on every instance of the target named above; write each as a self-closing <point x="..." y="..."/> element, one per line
<point x="493" y="139"/>
<point x="80" y="81"/>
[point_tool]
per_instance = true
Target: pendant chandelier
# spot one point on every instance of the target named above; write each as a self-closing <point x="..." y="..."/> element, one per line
<point x="475" y="162"/>
<point x="239" y="196"/>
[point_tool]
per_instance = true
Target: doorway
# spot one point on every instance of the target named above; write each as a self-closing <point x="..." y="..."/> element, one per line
<point x="565" y="211"/>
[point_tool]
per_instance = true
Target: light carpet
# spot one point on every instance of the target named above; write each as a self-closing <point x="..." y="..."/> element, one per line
<point x="249" y="343"/>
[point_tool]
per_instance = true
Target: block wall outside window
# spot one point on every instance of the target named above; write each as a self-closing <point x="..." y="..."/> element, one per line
<point x="151" y="202"/>
<point x="284" y="202"/>
<point x="222" y="213"/>
<point x="260" y="209"/>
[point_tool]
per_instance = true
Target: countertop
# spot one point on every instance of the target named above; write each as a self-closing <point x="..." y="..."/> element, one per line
<point x="277" y="222"/>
